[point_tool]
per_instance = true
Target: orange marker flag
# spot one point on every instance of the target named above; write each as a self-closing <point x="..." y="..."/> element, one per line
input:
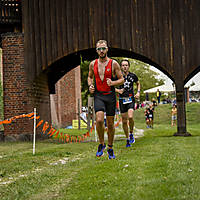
<point x="39" y="123"/>
<point x="50" y="130"/>
<point x="57" y="134"/>
<point x="53" y="132"/>
<point x="67" y="139"/>
<point x="16" y="117"/>
<point x="45" y="127"/>
<point x="91" y="129"/>
<point x="61" y="136"/>
<point x="7" y="121"/>
<point x="30" y="114"/>
<point x="37" y="117"/>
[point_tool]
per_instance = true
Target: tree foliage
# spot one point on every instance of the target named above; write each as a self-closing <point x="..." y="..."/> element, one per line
<point x="84" y="84"/>
<point x="148" y="78"/>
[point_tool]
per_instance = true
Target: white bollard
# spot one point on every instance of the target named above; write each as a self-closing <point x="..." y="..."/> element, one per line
<point x="34" y="131"/>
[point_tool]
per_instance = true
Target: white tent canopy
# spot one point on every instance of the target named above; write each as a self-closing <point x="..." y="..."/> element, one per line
<point x="170" y="88"/>
<point x="161" y="88"/>
<point x="195" y="87"/>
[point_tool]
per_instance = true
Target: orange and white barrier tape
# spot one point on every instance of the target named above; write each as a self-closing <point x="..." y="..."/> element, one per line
<point x="52" y="132"/>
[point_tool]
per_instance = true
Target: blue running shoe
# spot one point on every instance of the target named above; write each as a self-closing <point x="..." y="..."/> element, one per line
<point x="111" y="154"/>
<point x="101" y="147"/>
<point x="132" y="139"/>
<point x="128" y="143"/>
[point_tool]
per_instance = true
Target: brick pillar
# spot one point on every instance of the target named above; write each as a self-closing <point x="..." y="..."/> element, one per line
<point x="64" y="104"/>
<point x="21" y="96"/>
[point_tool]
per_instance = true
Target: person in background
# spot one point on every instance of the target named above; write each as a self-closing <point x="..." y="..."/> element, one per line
<point x="127" y="100"/>
<point x="146" y="115"/>
<point x="158" y="95"/>
<point x="174" y="115"/>
<point x="105" y="122"/>
<point x="154" y="102"/>
<point x="117" y="112"/>
<point x="104" y="74"/>
<point x="146" y="96"/>
<point x="151" y="115"/>
<point x="174" y="102"/>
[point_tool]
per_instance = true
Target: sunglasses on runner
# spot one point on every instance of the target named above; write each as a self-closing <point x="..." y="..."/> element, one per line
<point x="101" y="48"/>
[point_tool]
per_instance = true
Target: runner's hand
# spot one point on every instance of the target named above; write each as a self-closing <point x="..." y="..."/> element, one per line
<point x="137" y="96"/>
<point x="109" y="82"/>
<point x="91" y="89"/>
<point x="120" y="91"/>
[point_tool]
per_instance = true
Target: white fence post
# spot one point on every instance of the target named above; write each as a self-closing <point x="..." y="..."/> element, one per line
<point x="34" y="131"/>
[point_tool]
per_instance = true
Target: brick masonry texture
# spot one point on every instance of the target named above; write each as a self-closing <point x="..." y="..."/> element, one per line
<point x="21" y="96"/>
<point x="15" y="94"/>
<point x="68" y="91"/>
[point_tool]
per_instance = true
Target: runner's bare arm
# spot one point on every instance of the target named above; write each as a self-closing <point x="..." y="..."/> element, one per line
<point x="138" y="90"/>
<point x="90" y="77"/>
<point x="116" y="72"/>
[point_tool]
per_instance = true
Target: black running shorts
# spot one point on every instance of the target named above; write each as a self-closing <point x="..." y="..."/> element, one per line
<point x="105" y="103"/>
<point x="125" y="107"/>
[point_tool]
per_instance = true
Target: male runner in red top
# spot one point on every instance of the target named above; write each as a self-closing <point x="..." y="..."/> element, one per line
<point x="101" y="83"/>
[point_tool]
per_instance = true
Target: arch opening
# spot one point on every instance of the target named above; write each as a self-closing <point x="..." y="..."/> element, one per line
<point x="60" y="67"/>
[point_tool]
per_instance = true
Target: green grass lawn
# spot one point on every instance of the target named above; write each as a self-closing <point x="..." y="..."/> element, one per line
<point x="158" y="166"/>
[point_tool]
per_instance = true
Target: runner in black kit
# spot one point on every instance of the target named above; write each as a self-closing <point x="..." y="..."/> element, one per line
<point x="151" y="114"/>
<point x="127" y="100"/>
<point x="101" y="83"/>
<point x="146" y="115"/>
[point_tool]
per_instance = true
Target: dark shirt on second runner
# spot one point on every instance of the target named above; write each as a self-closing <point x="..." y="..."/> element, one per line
<point x="128" y="85"/>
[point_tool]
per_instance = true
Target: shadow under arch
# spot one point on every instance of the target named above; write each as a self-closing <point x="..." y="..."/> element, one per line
<point x="191" y="75"/>
<point x="60" y="67"/>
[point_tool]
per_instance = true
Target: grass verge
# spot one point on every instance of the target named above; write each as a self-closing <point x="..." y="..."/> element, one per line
<point x="158" y="166"/>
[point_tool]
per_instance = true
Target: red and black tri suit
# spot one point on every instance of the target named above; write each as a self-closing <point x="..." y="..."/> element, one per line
<point x="104" y="95"/>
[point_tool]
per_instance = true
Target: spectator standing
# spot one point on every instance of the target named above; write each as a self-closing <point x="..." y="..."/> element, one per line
<point x="174" y="115"/>
<point x="158" y="95"/>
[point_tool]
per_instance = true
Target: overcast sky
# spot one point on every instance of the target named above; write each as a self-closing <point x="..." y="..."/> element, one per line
<point x="195" y="79"/>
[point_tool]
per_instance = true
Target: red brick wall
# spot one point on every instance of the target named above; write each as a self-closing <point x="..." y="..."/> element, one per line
<point x="68" y="91"/>
<point x="16" y="100"/>
<point x="21" y="96"/>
